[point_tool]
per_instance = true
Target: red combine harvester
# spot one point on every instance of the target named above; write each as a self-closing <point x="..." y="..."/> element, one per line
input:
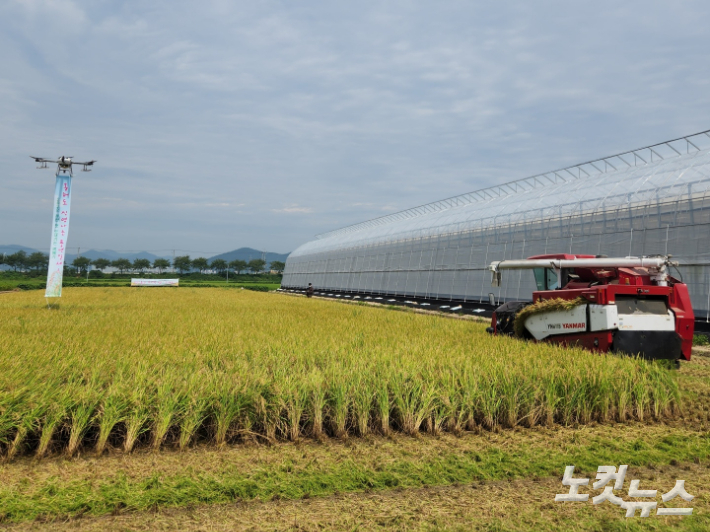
<point x="630" y="305"/>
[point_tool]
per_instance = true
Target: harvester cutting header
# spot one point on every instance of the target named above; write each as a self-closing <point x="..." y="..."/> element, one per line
<point x="630" y="305"/>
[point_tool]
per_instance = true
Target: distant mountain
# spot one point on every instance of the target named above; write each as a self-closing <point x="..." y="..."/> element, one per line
<point x="245" y="254"/>
<point x="9" y="250"/>
<point x="248" y="254"/>
<point x="92" y="254"/>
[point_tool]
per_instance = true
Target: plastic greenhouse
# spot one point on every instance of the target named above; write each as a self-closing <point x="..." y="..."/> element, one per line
<point x="654" y="200"/>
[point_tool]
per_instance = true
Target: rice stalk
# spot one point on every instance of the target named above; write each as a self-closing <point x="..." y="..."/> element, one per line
<point x="137" y="422"/>
<point x="25" y="426"/>
<point x="13" y="404"/>
<point x="80" y="416"/>
<point x="167" y="409"/>
<point x="53" y="419"/>
<point x="362" y="398"/>
<point x="384" y="405"/>
<point x="229" y="404"/>
<point x="641" y="397"/>
<point x="414" y="402"/>
<point x="195" y="414"/>
<point x="294" y="404"/>
<point x="139" y="370"/>
<point x="317" y="404"/>
<point x="113" y="410"/>
<point x="338" y="404"/>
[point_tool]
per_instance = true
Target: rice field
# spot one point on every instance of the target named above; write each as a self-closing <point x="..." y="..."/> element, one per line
<point x="117" y="369"/>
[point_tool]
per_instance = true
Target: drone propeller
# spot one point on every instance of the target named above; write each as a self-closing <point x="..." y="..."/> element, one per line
<point x="64" y="163"/>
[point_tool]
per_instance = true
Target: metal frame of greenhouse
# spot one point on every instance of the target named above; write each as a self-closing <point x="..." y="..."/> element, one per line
<point x="654" y="200"/>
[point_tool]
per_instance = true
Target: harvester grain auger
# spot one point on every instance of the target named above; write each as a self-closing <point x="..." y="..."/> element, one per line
<point x="630" y="305"/>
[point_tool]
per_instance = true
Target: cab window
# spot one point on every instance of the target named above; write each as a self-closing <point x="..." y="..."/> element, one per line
<point x="539" y="278"/>
<point x="551" y="278"/>
<point x="545" y="278"/>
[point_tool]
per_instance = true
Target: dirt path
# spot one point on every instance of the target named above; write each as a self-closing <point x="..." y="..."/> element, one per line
<point x="401" y="308"/>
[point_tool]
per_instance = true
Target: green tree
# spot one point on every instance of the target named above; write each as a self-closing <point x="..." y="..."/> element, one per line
<point x="238" y="265"/>
<point x="200" y="264"/>
<point x="182" y="264"/>
<point x="219" y="265"/>
<point x="121" y="264"/>
<point x="161" y="264"/>
<point x="141" y="265"/>
<point x="277" y="265"/>
<point x="17" y="260"/>
<point x="101" y="263"/>
<point x="81" y="264"/>
<point x="38" y="260"/>
<point x="256" y="265"/>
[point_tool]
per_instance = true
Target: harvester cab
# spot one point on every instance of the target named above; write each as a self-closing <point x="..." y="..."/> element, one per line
<point x="628" y="305"/>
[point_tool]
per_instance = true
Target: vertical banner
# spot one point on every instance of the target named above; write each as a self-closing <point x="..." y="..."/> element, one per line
<point x="60" y="231"/>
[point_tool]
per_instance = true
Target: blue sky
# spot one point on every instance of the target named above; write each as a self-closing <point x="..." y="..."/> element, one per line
<point x="221" y="124"/>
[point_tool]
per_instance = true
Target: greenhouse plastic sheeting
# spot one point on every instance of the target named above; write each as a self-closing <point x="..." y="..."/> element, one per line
<point x="442" y="250"/>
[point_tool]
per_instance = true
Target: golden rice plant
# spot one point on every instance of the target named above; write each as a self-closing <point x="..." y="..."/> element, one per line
<point x="117" y="369"/>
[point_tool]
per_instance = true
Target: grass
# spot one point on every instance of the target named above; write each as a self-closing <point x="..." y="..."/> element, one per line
<point x="128" y="368"/>
<point x="204" y="475"/>
<point x="513" y="506"/>
<point x="10" y="280"/>
<point x="33" y="284"/>
<point x="701" y="340"/>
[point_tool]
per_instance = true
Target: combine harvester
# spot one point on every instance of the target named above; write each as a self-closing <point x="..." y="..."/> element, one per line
<point x="627" y="305"/>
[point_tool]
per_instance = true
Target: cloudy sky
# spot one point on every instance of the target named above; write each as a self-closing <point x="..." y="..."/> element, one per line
<point x="222" y="124"/>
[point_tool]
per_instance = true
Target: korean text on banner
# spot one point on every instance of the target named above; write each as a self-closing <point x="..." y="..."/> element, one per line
<point x="154" y="282"/>
<point x="60" y="232"/>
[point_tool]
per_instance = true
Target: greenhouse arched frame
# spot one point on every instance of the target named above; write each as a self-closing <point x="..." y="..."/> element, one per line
<point x="653" y="200"/>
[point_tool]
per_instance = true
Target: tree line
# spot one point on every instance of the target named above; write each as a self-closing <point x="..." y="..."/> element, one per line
<point x="22" y="261"/>
<point x="38" y="261"/>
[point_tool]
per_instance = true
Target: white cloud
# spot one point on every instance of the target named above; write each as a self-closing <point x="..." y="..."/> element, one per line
<point x="294" y="210"/>
<point x="211" y="113"/>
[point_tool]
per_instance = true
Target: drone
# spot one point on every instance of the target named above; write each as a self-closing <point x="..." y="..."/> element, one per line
<point x="64" y="164"/>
